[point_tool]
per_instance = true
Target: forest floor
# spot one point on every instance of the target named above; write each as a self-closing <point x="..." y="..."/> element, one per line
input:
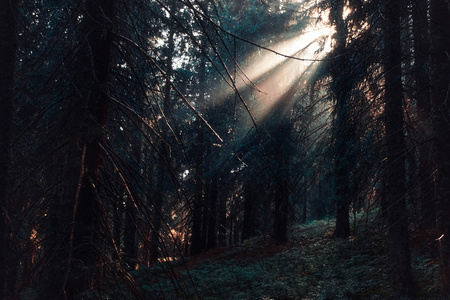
<point x="312" y="265"/>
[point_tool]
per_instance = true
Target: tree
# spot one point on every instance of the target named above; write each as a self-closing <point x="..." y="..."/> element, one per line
<point x="341" y="90"/>
<point x="8" y="50"/>
<point x="84" y="134"/>
<point x="398" y="238"/>
<point x="440" y="80"/>
<point x="421" y="96"/>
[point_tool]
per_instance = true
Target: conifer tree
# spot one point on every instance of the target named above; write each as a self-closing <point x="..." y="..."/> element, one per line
<point x="398" y="238"/>
<point x="8" y="50"/>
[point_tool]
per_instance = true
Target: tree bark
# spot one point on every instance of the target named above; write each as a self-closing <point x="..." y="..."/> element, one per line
<point x="251" y="210"/>
<point x="440" y="84"/>
<point x="199" y="213"/>
<point x="422" y="96"/>
<point x="222" y="213"/>
<point x="281" y="211"/>
<point x="212" y="196"/>
<point x="341" y="92"/>
<point x="129" y="234"/>
<point x="399" y="249"/>
<point x="76" y="211"/>
<point x="8" y="50"/>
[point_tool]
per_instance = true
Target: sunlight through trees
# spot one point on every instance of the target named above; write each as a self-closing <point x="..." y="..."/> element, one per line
<point x="147" y="146"/>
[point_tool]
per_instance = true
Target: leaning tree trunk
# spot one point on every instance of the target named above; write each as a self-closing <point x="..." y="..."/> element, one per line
<point x="8" y="49"/>
<point x="440" y="80"/>
<point x="399" y="250"/>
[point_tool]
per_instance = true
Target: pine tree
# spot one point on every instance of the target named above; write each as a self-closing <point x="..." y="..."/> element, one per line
<point x="398" y="238"/>
<point x="8" y="50"/>
<point x="440" y="116"/>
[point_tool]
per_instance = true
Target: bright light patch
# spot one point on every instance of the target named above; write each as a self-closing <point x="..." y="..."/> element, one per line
<point x="271" y="77"/>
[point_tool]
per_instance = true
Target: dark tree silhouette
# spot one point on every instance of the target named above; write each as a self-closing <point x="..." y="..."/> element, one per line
<point x="440" y="78"/>
<point x="399" y="250"/>
<point x="341" y="91"/>
<point x="8" y="50"/>
<point x="80" y="251"/>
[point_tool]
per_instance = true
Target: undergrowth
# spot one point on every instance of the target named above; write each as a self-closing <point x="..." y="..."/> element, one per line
<point x="312" y="265"/>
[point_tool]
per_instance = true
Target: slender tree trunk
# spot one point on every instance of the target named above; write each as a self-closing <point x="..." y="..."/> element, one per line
<point x="235" y="223"/>
<point x="250" y="198"/>
<point x="159" y="199"/>
<point x="118" y="223"/>
<point x="212" y="214"/>
<point x="197" y="239"/>
<point x="282" y="186"/>
<point x="199" y="213"/>
<point x="440" y="86"/>
<point x="8" y="50"/>
<point x="304" y="209"/>
<point x="399" y="250"/>
<point x="222" y="213"/>
<point x="281" y="211"/>
<point x="129" y="234"/>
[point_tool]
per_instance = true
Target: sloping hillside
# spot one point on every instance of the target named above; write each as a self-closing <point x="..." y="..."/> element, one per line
<point x="312" y="265"/>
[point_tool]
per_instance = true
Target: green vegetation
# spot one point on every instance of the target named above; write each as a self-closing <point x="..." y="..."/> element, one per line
<point x="312" y="265"/>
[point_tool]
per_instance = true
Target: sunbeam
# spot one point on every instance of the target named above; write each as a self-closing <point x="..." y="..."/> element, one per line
<point x="268" y="77"/>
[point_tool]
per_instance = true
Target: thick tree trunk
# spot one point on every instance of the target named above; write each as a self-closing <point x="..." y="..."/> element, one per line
<point x="341" y="91"/>
<point x="74" y="250"/>
<point x="8" y="49"/>
<point x="440" y="85"/>
<point x="421" y="40"/>
<point x="399" y="250"/>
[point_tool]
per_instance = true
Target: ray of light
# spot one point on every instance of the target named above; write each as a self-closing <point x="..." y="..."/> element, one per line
<point x="273" y="78"/>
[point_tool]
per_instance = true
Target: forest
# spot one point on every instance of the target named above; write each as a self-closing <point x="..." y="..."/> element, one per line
<point x="224" y="149"/>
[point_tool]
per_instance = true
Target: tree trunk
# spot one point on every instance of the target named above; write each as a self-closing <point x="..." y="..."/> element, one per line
<point x="423" y="105"/>
<point x="399" y="250"/>
<point x="76" y="210"/>
<point x="129" y="234"/>
<point x="117" y="225"/>
<point x="8" y="49"/>
<point x="250" y="198"/>
<point x="222" y="213"/>
<point x="212" y="214"/>
<point x="199" y="213"/>
<point x="440" y="84"/>
<point x="341" y="92"/>
<point x="281" y="211"/>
